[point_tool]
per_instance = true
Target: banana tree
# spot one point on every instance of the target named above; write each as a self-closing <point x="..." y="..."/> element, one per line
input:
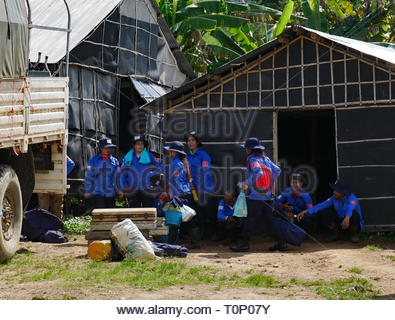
<point x="213" y="32"/>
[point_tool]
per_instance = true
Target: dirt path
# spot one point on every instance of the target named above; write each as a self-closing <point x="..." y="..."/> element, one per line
<point x="309" y="263"/>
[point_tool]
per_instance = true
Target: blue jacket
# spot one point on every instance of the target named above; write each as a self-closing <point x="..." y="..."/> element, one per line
<point x="224" y="211"/>
<point x="254" y="171"/>
<point x="178" y="177"/>
<point x="70" y="164"/>
<point x="137" y="175"/>
<point x="100" y="176"/>
<point x="299" y="204"/>
<point x="200" y="166"/>
<point x="343" y="209"/>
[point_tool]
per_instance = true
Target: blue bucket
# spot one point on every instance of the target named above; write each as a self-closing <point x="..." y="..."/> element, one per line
<point x="173" y="217"/>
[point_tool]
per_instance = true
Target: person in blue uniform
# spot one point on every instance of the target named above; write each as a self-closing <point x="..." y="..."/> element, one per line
<point x="100" y="176"/>
<point x="136" y="174"/>
<point x="180" y="187"/>
<point x="293" y="200"/>
<point x="340" y="213"/>
<point x="202" y="180"/>
<point x="228" y="226"/>
<point x="262" y="173"/>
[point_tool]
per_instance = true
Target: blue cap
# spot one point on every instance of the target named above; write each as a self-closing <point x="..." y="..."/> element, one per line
<point x="176" y="146"/>
<point x="253" y="143"/>
<point x="105" y="143"/>
<point x="340" y="186"/>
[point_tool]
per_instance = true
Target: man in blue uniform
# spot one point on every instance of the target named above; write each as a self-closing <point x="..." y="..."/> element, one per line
<point x="100" y="176"/>
<point x="200" y="166"/>
<point x="341" y="212"/>
<point x="228" y="226"/>
<point x="294" y="199"/>
<point x="261" y="175"/>
<point x="136" y="174"/>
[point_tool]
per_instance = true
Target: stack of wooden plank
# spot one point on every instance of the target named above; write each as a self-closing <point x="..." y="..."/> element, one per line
<point x="144" y="218"/>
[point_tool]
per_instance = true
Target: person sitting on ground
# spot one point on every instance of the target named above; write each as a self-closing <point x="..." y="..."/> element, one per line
<point x="228" y="226"/>
<point x="293" y="200"/>
<point x="341" y="212"/>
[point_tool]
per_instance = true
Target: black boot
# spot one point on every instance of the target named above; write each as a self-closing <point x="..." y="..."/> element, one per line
<point x="333" y="236"/>
<point x="241" y="247"/>
<point x="280" y="246"/>
<point x="173" y="233"/>
<point x="195" y="239"/>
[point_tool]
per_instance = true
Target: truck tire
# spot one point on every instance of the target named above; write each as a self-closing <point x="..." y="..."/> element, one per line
<point x="11" y="208"/>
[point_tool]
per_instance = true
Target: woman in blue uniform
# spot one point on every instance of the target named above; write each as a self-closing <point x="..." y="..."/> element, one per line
<point x="136" y="174"/>
<point x="261" y="175"/>
<point x="180" y="187"/>
<point x="200" y="166"/>
<point x="100" y="176"/>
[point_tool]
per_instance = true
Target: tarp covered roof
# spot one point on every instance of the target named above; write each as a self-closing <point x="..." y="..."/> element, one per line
<point x="85" y="16"/>
<point x="376" y="51"/>
<point x="383" y="53"/>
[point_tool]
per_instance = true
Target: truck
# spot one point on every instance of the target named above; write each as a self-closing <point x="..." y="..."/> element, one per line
<point x="33" y="127"/>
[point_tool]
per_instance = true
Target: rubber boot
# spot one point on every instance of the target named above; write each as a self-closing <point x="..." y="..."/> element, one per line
<point x="280" y="246"/>
<point x="173" y="234"/>
<point x="195" y="239"/>
<point x="334" y="235"/>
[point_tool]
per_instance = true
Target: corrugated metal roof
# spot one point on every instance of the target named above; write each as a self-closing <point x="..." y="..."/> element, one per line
<point x="148" y="90"/>
<point x="383" y="53"/>
<point x="85" y="16"/>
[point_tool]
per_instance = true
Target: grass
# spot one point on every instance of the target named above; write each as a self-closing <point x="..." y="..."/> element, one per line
<point x="347" y="289"/>
<point x="355" y="270"/>
<point x="153" y="275"/>
<point x="373" y="247"/>
<point x="388" y="236"/>
<point x="391" y="257"/>
<point x="77" y="225"/>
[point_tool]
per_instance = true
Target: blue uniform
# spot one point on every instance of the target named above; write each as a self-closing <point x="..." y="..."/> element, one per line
<point x="178" y="177"/>
<point x="224" y="210"/>
<point x="255" y="171"/>
<point x="70" y="164"/>
<point x="200" y="166"/>
<point x="300" y="203"/>
<point x="343" y="209"/>
<point x="100" y="176"/>
<point x="137" y="175"/>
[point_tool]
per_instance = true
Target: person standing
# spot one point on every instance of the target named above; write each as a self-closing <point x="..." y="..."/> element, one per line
<point x="202" y="180"/>
<point x="54" y="202"/>
<point x="261" y="175"/>
<point x="100" y="176"/>
<point x="136" y="174"/>
<point x="340" y="213"/>
<point x="180" y="187"/>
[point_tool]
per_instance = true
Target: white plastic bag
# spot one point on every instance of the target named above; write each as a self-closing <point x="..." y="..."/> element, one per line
<point x="130" y="241"/>
<point x="187" y="213"/>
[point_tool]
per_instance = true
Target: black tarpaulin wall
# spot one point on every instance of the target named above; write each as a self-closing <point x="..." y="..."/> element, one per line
<point x="366" y="144"/>
<point x="129" y="42"/>
<point x="300" y="73"/>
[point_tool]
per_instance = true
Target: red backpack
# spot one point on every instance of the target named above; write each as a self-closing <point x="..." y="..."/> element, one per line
<point x="264" y="182"/>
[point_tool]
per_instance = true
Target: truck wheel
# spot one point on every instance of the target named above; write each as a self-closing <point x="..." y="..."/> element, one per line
<point x="11" y="212"/>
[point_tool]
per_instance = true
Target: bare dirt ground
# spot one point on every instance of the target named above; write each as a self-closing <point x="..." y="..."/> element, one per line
<point x="308" y="263"/>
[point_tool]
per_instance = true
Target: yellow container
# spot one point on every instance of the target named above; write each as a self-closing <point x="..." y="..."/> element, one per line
<point x="100" y="250"/>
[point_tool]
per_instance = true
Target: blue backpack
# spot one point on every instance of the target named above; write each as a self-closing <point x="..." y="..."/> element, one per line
<point x="40" y="225"/>
<point x="292" y="233"/>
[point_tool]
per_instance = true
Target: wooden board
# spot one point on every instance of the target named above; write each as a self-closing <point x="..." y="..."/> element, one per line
<point x="141" y="225"/>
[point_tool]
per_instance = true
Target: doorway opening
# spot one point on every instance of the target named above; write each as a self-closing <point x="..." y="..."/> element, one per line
<point x="307" y="145"/>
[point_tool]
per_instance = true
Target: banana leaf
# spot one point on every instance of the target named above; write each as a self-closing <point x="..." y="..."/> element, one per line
<point x="226" y="41"/>
<point x="197" y="23"/>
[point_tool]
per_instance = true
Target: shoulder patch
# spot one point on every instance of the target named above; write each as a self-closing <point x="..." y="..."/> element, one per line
<point x="255" y="164"/>
<point x="353" y="202"/>
<point x="204" y="163"/>
<point x="176" y="173"/>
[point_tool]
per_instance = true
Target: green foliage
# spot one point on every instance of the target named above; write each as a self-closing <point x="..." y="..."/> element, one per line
<point x="355" y="270"/>
<point x="373" y="247"/>
<point x="348" y="289"/>
<point x="77" y="225"/>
